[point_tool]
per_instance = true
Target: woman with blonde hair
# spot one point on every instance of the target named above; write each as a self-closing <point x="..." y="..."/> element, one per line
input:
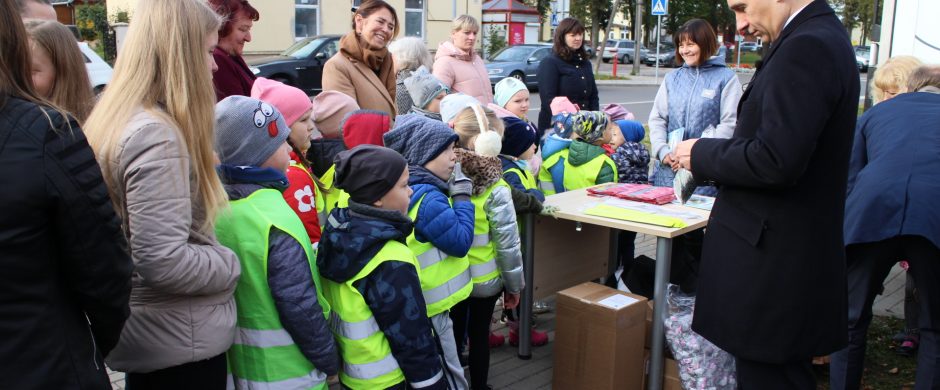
<point x="457" y="64"/>
<point x="152" y="131"/>
<point x="58" y="67"/>
<point x="891" y="78"/>
<point x="64" y="269"/>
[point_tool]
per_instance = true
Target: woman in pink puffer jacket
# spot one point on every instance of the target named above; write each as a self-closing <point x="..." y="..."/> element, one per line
<point x="458" y="66"/>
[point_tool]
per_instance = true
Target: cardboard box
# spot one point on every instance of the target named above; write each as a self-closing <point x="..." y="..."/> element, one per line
<point x="670" y="373"/>
<point x="599" y="335"/>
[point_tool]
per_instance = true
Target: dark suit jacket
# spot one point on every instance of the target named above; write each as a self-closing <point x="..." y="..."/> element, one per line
<point x="772" y="284"/>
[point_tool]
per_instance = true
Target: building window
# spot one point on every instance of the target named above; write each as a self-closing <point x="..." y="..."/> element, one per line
<point x="414" y="18"/>
<point x="306" y="17"/>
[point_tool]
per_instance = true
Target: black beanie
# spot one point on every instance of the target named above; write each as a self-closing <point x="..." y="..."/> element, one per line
<point x="368" y="172"/>
<point x="517" y="137"/>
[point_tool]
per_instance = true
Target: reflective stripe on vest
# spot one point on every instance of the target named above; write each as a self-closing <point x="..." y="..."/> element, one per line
<point x="445" y="280"/>
<point x="585" y="175"/>
<point x="354" y="330"/>
<point x="368" y="362"/>
<point x="263" y="353"/>
<point x="545" y="179"/>
<point x="482" y="257"/>
<point x="314" y="379"/>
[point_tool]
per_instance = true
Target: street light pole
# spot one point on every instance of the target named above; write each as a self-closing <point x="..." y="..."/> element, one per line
<point x="637" y="19"/>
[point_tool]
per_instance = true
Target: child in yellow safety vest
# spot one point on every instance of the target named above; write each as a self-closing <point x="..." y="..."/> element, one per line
<point x="443" y="223"/>
<point x="496" y="257"/>
<point x="371" y="278"/>
<point x="282" y="338"/>
<point x="573" y="157"/>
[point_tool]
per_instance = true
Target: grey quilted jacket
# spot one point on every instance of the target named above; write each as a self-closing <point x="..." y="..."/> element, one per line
<point x="182" y="308"/>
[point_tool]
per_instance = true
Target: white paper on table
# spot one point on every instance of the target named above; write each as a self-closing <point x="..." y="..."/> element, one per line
<point x="617" y="301"/>
<point x="688" y="217"/>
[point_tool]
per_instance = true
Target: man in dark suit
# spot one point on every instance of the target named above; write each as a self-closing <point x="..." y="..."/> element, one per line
<point x="772" y="282"/>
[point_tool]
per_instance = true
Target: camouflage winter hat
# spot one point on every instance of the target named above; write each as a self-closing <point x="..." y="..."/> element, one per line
<point x="589" y="125"/>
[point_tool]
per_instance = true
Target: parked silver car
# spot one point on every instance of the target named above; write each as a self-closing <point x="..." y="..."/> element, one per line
<point x="625" y="49"/>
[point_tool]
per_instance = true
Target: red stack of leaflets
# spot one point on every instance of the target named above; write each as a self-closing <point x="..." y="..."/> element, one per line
<point x="636" y="192"/>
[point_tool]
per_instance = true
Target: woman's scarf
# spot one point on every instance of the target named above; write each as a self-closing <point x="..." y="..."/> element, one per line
<point x="379" y="60"/>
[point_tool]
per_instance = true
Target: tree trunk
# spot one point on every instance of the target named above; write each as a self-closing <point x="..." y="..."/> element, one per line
<point x="600" y="54"/>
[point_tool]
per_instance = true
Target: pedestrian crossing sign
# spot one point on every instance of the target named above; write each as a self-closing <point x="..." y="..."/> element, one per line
<point x="660" y="7"/>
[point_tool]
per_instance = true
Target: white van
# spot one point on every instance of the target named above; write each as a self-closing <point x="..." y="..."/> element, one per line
<point x="99" y="72"/>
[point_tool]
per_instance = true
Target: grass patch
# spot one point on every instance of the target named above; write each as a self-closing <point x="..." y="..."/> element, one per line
<point x="602" y="76"/>
<point x="747" y="58"/>
<point x="884" y="369"/>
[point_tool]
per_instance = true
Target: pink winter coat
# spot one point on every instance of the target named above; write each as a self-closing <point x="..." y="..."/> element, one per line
<point x="462" y="72"/>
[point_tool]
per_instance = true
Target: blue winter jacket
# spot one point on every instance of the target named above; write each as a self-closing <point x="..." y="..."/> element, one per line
<point x="894" y="172"/>
<point x="448" y="228"/>
<point x="554" y="144"/>
<point x="392" y="290"/>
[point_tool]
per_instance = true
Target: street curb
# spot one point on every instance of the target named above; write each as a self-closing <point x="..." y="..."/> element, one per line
<point x="627" y="82"/>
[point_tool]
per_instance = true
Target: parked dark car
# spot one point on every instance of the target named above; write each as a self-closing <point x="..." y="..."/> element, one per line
<point x="519" y="61"/>
<point x="667" y="56"/>
<point x="301" y="65"/>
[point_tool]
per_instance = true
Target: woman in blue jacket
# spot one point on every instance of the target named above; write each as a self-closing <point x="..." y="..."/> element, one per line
<point x="702" y="93"/>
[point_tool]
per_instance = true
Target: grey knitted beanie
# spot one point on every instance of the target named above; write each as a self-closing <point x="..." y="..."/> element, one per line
<point x="423" y="87"/>
<point x="419" y="139"/>
<point x="247" y="131"/>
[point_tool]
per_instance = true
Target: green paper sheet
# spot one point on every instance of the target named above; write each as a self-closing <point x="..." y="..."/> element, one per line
<point x="609" y="211"/>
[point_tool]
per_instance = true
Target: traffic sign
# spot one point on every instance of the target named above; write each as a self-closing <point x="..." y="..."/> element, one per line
<point x="554" y="20"/>
<point x="660" y="7"/>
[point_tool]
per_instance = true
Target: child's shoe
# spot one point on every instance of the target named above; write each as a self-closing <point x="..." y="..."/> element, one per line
<point x="496" y="340"/>
<point x="537" y="338"/>
<point x="908" y="347"/>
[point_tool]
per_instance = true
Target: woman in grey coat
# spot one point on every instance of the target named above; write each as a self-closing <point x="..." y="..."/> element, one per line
<point x="410" y="53"/>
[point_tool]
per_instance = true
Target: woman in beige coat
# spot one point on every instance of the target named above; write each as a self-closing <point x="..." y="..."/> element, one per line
<point x="152" y="132"/>
<point x="363" y="68"/>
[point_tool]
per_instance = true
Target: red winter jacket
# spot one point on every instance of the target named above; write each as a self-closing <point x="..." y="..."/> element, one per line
<point x="300" y="196"/>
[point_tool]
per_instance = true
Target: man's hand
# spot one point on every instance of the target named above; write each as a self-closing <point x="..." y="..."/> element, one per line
<point x="671" y="162"/>
<point x="683" y="153"/>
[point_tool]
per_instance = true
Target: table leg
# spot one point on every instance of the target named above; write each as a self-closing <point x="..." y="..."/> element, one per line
<point x="525" y="309"/>
<point x="663" y="262"/>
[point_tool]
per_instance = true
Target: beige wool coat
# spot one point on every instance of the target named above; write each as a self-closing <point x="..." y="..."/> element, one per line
<point x="354" y="78"/>
<point x="182" y="308"/>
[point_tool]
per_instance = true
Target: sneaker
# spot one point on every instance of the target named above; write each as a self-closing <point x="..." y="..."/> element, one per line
<point x="907" y="348"/>
<point x="541" y="307"/>
<point x="496" y="340"/>
<point x="537" y="338"/>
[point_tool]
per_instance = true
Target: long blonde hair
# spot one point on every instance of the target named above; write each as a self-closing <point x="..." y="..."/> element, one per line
<point x="72" y="88"/>
<point x="163" y="69"/>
